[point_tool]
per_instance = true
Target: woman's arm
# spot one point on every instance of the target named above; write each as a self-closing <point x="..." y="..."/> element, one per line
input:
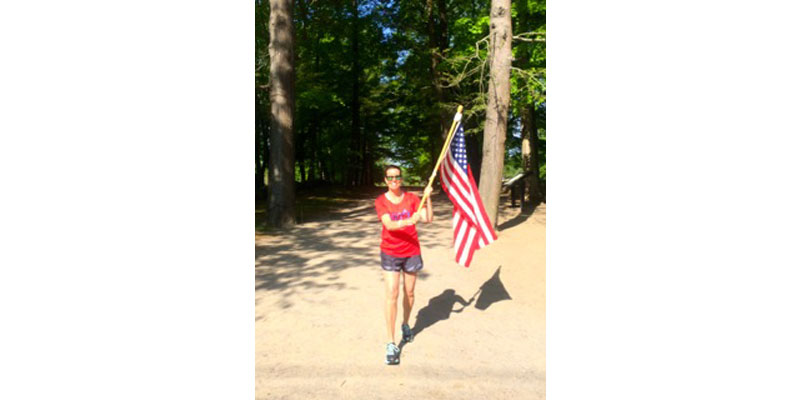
<point x="426" y="214"/>
<point x="429" y="209"/>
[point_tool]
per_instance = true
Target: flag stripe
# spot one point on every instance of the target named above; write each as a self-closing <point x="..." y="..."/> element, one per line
<point x="472" y="202"/>
<point x="459" y="233"/>
<point x="468" y="247"/>
<point x="456" y="195"/>
<point x="483" y="218"/>
<point x="470" y="253"/>
<point x="472" y="228"/>
<point x="460" y="181"/>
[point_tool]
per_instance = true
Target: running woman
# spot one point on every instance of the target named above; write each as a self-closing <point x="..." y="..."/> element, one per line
<point x="400" y="251"/>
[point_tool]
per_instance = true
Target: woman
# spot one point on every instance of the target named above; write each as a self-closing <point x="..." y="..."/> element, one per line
<point x="400" y="251"/>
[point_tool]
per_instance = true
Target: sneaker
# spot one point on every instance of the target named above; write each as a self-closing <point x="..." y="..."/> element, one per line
<point x="392" y="354"/>
<point x="408" y="335"/>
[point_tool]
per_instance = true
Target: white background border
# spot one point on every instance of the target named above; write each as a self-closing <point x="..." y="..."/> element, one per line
<point x="126" y="145"/>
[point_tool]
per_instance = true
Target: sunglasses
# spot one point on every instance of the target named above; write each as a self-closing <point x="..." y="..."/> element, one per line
<point x="394" y="178"/>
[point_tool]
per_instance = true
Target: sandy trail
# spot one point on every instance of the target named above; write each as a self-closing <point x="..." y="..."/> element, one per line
<point x="320" y="329"/>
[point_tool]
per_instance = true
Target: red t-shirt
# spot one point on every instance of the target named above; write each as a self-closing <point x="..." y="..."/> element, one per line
<point x="401" y="242"/>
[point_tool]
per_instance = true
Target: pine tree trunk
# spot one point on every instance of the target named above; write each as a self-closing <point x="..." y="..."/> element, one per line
<point x="368" y="163"/>
<point x="494" y="133"/>
<point x="526" y="144"/>
<point x="437" y="44"/>
<point x="356" y="142"/>
<point x="260" y="156"/>
<point x="535" y="155"/>
<point x="301" y="166"/>
<point x="527" y="109"/>
<point x="281" y="160"/>
<point x="312" y="167"/>
<point x="529" y="159"/>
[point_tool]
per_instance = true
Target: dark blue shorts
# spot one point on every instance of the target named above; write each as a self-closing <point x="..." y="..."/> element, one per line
<point x="395" y="264"/>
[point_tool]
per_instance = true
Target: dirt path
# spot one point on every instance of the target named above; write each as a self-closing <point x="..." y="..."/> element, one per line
<point x="320" y="329"/>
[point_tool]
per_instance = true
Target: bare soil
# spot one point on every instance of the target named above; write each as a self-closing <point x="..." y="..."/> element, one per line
<point x="320" y="330"/>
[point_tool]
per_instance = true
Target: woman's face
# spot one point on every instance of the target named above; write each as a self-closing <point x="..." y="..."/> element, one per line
<point x="393" y="178"/>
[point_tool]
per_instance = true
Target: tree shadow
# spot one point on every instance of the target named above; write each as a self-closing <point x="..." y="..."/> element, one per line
<point x="294" y="261"/>
<point x="520" y="218"/>
<point x="312" y="256"/>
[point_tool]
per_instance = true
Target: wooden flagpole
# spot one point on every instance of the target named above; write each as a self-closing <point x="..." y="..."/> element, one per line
<point x="456" y="120"/>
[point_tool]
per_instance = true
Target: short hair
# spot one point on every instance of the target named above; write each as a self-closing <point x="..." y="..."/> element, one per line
<point x="392" y="166"/>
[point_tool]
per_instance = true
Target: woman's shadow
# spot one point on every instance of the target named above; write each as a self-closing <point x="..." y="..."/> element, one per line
<point x="440" y="307"/>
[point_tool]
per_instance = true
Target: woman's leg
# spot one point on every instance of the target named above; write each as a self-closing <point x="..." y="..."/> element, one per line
<point x="392" y="281"/>
<point x="409" y="280"/>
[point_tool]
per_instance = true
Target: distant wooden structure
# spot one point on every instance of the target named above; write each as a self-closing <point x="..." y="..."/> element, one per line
<point x="517" y="186"/>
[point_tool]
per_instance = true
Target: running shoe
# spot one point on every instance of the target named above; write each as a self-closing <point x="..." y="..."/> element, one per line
<point x="408" y="335"/>
<point x="392" y="354"/>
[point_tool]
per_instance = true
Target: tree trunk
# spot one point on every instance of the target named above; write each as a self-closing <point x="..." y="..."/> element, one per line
<point x="312" y="167"/>
<point x="437" y="44"/>
<point x="527" y="109"/>
<point x="301" y="166"/>
<point x="494" y="132"/>
<point x="260" y="156"/>
<point x="368" y="164"/>
<point x="281" y="171"/>
<point x="356" y="141"/>
<point x="315" y="164"/>
<point x="526" y="140"/>
<point x="530" y="161"/>
<point x="535" y="155"/>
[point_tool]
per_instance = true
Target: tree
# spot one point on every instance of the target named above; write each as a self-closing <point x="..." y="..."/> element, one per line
<point x="528" y="80"/>
<point x="437" y="45"/>
<point x="494" y="131"/>
<point x="378" y="82"/>
<point x="354" y="175"/>
<point x="261" y="96"/>
<point x="262" y="148"/>
<point x="281" y="95"/>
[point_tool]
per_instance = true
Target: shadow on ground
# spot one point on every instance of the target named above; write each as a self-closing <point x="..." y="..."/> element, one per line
<point x="305" y="254"/>
<point x="313" y="254"/>
<point x="440" y="307"/>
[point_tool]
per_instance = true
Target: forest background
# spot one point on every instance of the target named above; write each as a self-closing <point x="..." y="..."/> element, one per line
<point x="344" y="87"/>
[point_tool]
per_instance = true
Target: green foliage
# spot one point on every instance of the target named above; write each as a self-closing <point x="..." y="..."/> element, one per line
<point x="402" y="106"/>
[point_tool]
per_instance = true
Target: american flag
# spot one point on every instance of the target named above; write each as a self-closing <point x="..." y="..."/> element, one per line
<point x="471" y="226"/>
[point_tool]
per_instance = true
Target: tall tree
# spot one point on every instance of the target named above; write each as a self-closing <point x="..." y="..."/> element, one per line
<point x="494" y="131"/>
<point x="356" y="140"/>
<point x="281" y="160"/>
<point x="529" y="78"/>
<point x="262" y="150"/>
<point x="262" y="102"/>
<point x="377" y="82"/>
<point x="436" y="13"/>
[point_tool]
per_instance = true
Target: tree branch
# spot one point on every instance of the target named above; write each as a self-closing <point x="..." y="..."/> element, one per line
<point x="529" y="40"/>
<point x="530" y="34"/>
<point x="526" y="37"/>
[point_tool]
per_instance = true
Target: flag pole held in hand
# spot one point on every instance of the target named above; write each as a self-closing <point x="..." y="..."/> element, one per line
<point x="456" y="120"/>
